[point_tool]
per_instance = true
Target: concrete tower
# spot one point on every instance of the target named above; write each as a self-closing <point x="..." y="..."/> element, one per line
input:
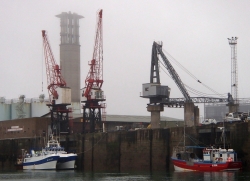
<point x="70" y="52"/>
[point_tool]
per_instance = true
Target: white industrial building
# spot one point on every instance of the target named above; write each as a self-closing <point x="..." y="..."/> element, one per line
<point x="23" y="107"/>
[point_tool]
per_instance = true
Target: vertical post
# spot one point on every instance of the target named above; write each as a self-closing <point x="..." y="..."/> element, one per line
<point x="92" y="156"/>
<point x="119" y="161"/>
<point x="234" y="70"/>
<point x="150" y="149"/>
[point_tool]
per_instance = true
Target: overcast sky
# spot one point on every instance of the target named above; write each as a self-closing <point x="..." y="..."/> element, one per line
<point x="194" y="32"/>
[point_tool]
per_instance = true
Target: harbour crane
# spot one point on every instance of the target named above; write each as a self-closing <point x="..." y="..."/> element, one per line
<point x="159" y="95"/>
<point x="92" y="93"/>
<point x="59" y="93"/>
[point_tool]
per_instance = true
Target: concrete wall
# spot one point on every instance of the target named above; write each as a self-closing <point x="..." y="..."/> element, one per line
<point x="70" y="65"/>
<point x="189" y="117"/>
<point x="127" y="151"/>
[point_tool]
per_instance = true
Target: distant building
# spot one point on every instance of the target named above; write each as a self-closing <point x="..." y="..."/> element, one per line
<point x="22" y="107"/>
<point x="218" y="111"/>
<point x="70" y="54"/>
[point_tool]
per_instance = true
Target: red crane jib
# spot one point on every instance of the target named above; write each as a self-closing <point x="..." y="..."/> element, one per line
<point x="53" y="71"/>
<point x="95" y="74"/>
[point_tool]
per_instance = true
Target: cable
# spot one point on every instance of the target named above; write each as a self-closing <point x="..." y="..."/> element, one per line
<point x="189" y="73"/>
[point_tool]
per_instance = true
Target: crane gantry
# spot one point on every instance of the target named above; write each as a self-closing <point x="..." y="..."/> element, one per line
<point x="92" y="93"/>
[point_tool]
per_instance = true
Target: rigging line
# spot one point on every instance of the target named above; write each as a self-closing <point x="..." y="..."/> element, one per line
<point x="204" y="93"/>
<point x="198" y="92"/>
<point x="171" y="77"/>
<point x="42" y="66"/>
<point x="184" y="84"/>
<point x="181" y="66"/>
<point x="191" y="74"/>
<point x="195" y="140"/>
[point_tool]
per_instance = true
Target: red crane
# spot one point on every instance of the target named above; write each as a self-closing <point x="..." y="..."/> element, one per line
<point x="92" y="93"/>
<point x="54" y="78"/>
<point x="59" y="94"/>
<point x="94" y="78"/>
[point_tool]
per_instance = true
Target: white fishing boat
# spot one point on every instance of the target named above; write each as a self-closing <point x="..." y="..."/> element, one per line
<point x="66" y="160"/>
<point x="40" y="160"/>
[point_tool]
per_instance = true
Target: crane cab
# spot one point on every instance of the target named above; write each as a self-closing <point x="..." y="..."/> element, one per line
<point x="155" y="90"/>
<point x="64" y="95"/>
<point x="95" y="94"/>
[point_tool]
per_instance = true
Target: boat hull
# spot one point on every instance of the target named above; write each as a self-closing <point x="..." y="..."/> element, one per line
<point x="181" y="165"/>
<point x="66" y="161"/>
<point x="47" y="162"/>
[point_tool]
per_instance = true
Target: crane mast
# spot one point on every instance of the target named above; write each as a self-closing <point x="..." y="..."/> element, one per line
<point x="92" y="93"/>
<point x="173" y="73"/>
<point x="59" y="94"/>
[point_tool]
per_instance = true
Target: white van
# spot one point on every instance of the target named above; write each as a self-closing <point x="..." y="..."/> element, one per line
<point x="209" y="121"/>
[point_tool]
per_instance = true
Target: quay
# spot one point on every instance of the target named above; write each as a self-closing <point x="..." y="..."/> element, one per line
<point x="120" y="151"/>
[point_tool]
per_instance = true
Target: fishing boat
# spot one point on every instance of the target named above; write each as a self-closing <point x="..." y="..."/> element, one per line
<point x="66" y="160"/>
<point x="40" y="160"/>
<point x="214" y="159"/>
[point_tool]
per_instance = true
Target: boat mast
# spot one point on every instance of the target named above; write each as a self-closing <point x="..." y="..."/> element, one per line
<point x="184" y="136"/>
<point x="223" y="132"/>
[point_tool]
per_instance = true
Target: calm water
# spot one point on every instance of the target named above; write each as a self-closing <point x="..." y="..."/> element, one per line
<point x="77" y="176"/>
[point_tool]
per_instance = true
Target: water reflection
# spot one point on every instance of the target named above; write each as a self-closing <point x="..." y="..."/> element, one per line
<point x="205" y="176"/>
<point x="36" y="175"/>
<point x="223" y="176"/>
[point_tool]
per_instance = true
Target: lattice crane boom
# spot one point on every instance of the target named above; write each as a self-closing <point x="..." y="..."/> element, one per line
<point x="94" y="78"/>
<point x="234" y="69"/>
<point x="173" y="73"/>
<point x="53" y="71"/>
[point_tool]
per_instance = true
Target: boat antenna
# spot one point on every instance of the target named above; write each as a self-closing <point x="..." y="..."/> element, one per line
<point x="223" y="134"/>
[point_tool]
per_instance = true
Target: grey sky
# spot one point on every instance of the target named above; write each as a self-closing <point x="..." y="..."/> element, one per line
<point x="194" y="32"/>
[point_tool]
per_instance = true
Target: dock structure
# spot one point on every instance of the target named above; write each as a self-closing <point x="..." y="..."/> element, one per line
<point x="119" y="150"/>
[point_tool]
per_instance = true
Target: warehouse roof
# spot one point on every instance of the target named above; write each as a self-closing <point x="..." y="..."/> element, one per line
<point x="132" y="118"/>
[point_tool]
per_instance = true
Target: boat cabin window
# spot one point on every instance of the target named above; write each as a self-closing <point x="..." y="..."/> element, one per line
<point x="220" y="155"/>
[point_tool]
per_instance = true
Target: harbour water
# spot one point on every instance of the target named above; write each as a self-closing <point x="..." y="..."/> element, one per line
<point x="81" y="176"/>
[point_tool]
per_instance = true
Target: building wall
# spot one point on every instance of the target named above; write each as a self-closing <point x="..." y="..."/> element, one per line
<point x="38" y="109"/>
<point x="23" y="128"/>
<point x="18" y="110"/>
<point x="5" y="111"/>
<point x="70" y="52"/>
<point x="70" y="65"/>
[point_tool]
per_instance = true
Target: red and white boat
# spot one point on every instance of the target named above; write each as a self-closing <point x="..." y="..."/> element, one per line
<point x="213" y="160"/>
